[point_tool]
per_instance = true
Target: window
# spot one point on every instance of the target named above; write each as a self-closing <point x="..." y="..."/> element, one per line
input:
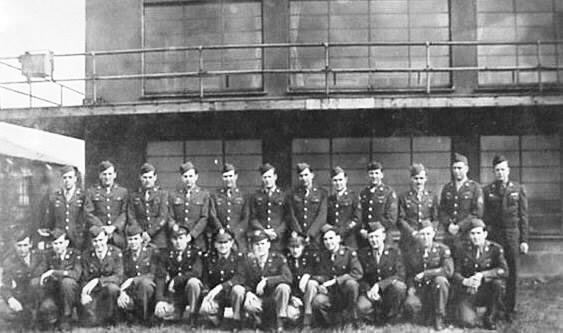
<point x="519" y="21"/>
<point x="315" y="21"/>
<point x="203" y="22"/>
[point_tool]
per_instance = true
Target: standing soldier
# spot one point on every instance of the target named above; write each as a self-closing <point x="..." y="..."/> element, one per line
<point x="383" y="286"/>
<point x="106" y="205"/>
<point x="340" y="271"/>
<point x="189" y="206"/>
<point x="428" y="268"/>
<point x="20" y="281"/>
<point x="219" y="267"/>
<point x="506" y="216"/>
<point x="308" y="207"/>
<point x="102" y="273"/>
<point x="461" y="201"/>
<point x="269" y="208"/>
<point x="262" y="282"/>
<point x="480" y="276"/>
<point x="66" y="208"/>
<point x="415" y="205"/>
<point x="229" y="208"/>
<point x="61" y="280"/>
<point x="344" y="210"/>
<point x="139" y="266"/>
<point x="148" y="208"/>
<point x="378" y="202"/>
<point x="178" y="278"/>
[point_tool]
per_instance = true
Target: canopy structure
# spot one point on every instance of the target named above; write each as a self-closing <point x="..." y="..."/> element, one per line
<point x="34" y="144"/>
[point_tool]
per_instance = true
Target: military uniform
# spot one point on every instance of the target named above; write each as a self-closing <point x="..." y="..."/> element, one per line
<point x="190" y="208"/>
<point x="270" y="211"/>
<point x="345" y="213"/>
<point x="345" y="267"/>
<point x="492" y="264"/>
<point x="412" y="211"/>
<point x="150" y="212"/>
<point x="506" y="217"/>
<point x="389" y="273"/>
<point x="308" y="213"/>
<point x="62" y="286"/>
<point x="186" y="269"/>
<point x="379" y="204"/>
<point x="109" y="271"/>
<point x="142" y="268"/>
<point x="105" y="208"/>
<point x="432" y="291"/>
<point x="307" y="263"/>
<point x="459" y="207"/>
<point x="230" y="211"/>
<point x="68" y="214"/>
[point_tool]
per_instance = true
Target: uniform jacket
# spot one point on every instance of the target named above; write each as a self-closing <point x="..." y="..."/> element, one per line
<point x="269" y="211"/>
<point x="68" y="215"/>
<point x="345" y="212"/>
<point x="344" y="265"/>
<point x="69" y="266"/>
<point x="379" y="203"/>
<point x="413" y="211"/>
<point x="18" y="278"/>
<point x="275" y="270"/>
<point x="460" y="206"/>
<point x="145" y="264"/>
<point x="508" y="210"/>
<point x="308" y="263"/>
<point x="308" y="213"/>
<point x="108" y="270"/>
<point x="491" y="262"/>
<point x="390" y="267"/>
<point x="104" y="209"/>
<point x="231" y="213"/>
<point x="179" y="266"/>
<point x="438" y="262"/>
<point x="192" y="211"/>
<point x="151" y="215"/>
<point x="218" y="270"/>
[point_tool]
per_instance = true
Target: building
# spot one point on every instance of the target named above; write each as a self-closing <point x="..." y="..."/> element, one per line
<point x="331" y="82"/>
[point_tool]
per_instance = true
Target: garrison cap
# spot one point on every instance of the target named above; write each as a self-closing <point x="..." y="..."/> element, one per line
<point x="460" y="158"/>
<point x="104" y="165"/>
<point x="295" y="240"/>
<point x="374" y="226"/>
<point x="186" y="167"/>
<point x="57" y="233"/>
<point x="328" y="227"/>
<point x="68" y="168"/>
<point x="21" y="234"/>
<point x="477" y="223"/>
<point x="265" y="168"/>
<point x="374" y="165"/>
<point x="95" y="230"/>
<point x="228" y="167"/>
<point x="133" y="229"/>
<point x="498" y="159"/>
<point x="179" y="230"/>
<point x="147" y="167"/>
<point x="426" y="224"/>
<point x="257" y="236"/>
<point x="416" y="168"/>
<point x="223" y="235"/>
<point x="336" y="171"/>
<point x="300" y="167"/>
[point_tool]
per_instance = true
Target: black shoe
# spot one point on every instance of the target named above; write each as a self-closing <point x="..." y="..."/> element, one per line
<point x="489" y="324"/>
<point x="439" y="323"/>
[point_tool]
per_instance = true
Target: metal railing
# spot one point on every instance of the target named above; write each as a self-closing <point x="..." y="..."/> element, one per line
<point x="93" y="77"/>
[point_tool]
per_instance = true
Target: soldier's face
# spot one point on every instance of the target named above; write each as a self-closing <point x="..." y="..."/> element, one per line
<point x="296" y="250"/>
<point x="69" y="180"/>
<point x="426" y="236"/>
<point x="190" y="178"/>
<point x="418" y="181"/>
<point x="478" y="236"/>
<point x="180" y="242"/>
<point x="134" y="242"/>
<point x="23" y="247"/>
<point x="306" y="178"/>
<point x="459" y="171"/>
<point x="224" y="247"/>
<point x="502" y="171"/>
<point x="340" y="181"/>
<point x="60" y="245"/>
<point x="148" y="179"/>
<point x="375" y="176"/>
<point x="269" y="178"/>
<point x="107" y="177"/>
<point x="230" y="179"/>
<point x="100" y="242"/>
<point x="376" y="239"/>
<point x="261" y="248"/>
<point x="331" y="240"/>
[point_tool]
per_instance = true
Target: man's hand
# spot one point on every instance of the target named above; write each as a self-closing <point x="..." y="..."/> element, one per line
<point x="296" y="302"/>
<point x="14" y="304"/>
<point x="373" y="293"/>
<point x="524" y="247"/>
<point x="171" y="286"/>
<point x="190" y="238"/>
<point x="453" y="228"/>
<point x="303" y="282"/>
<point x="146" y="237"/>
<point x="90" y="286"/>
<point x="419" y="277"/>
<point x="85" y="299"/>
<point x="411" y="291"/>
<point x="123" y="300"/>
<point x="214" y="292"/>
<point x="43" y="232"/>
<point x="45" y="276"/>
<point x="364" y="233"/>
<point x="126" y="284"/>
<point x="109" y="229"/>
<point x="260" y="287"/>
<point x="160" y="309"/>
<point x="271" y="233"/>
<point x="329" y="283"/>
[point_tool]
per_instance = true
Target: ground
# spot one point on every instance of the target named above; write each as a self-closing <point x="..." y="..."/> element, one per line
<point x="540" y="310"/>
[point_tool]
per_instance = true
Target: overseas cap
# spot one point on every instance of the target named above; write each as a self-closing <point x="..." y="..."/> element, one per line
<point x="223" y="235"/>
<point x="68" y="168"/>
<point x="374" y="165"/>
<point x="328" y="227"/>
<point x="57" y="233"/>
<point x="416" y="168"/>
<point x="95" y="230"/>
<point x="296" y="240"/>
<point x="477" y="223"/>
<point x="374" y="226"/>
<point x="498" y="159"/>
<point x="179" y="230"/>
<point x="302" y="167"/>
<point x="426" y="224"/>
<point x="133" y="230"/>
<point x="265" y="168"/>
<point x="147" y="167"/>
<point x="460" y="158"/>
<point x="336" y="171"/>
<point x="186" y="167"/>
<point x="257" y="236"/>
<point x="229" y="167"/>
<point x="104" y="165"/>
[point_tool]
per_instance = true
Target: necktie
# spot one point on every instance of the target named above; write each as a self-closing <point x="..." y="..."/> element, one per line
<point x="377" y="256"/>
<point x="147" y="195"/>
<point x="27" y="260"/>
<point x="188" y="194"/>
<point x="67" y="195"/>
<point x="229" y="193"/>
<point x="426" y="252"/>
<point x="477" y="253"/>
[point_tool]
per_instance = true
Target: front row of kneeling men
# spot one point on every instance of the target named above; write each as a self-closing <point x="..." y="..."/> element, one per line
<point x="263" y="287"/>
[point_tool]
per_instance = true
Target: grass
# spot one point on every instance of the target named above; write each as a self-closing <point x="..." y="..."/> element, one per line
<point x="540" y="310"/>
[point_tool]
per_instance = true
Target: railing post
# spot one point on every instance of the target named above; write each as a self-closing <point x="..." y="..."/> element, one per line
<point x="94" y="89"/>
<point x="427" y="67"/>
<point x="538" y="58"/>
<point x="327" y="67"/>
<point x="200" y="70"/>
<point x="61" y="87"/>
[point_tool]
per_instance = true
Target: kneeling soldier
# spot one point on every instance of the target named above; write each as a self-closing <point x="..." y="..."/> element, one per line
<point x="262" y="281"/>
<point x="20" y="281"/>
<point x="383" y="286"/>
<point x="60" y="281"/>
<point x="428" y="268"/>
<point x="481" y="270"/>
<point x="178" y="277"/>
<point x="219" y="267"/>
<point x="102" y="272"/>
<point x="139" y="261"/>
<point x="340" y="271"/>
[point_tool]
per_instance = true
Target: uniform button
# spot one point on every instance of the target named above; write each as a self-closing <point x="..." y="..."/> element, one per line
<point x="268" y="226"/>
<point x="108" y="207"/>
<point x="455" y="197"/>
<point x="67" y="220"/>
<point x="109" y="222"/>
<point x="336" y="205"/>
<point x="107" y="199"/>
<point x="269" y="219"/>
<point x="371" y="202"/>
<point x="305" y="208"/>
<point x="269" y="211"/>
<point x="269" y="203"/>
<point x="337" y="220"/>
<point x="370" y="209"/>
<point x="228" y="210"/>
<point x="66" y="227"/>
<point x="228" y="218"/>
<point x="455" y="204"/>
<point x="369" y="216"/>
<point x="186" y="211"/>
<point x="304" y="216"/>
<point x="186" y="219"/>
<point x="336" y="213"/>
<point x="138" y="273"/>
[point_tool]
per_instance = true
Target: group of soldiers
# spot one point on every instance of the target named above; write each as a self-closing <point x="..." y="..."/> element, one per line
<point x="272" y="258"/>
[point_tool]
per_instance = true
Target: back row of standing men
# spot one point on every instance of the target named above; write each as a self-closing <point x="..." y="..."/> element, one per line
<point x="300" y="214"/>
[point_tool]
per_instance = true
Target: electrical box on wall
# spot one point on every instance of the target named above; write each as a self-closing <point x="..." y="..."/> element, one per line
<point x="37" y="64"/>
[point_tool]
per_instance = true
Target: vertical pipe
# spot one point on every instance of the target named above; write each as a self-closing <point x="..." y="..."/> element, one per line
<point x="94" y="89"/>
<point x="200" y="70"/>
<point x="327" y="66"/>
<point x="539" y="65"/>
<point x="428" y="73"/>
